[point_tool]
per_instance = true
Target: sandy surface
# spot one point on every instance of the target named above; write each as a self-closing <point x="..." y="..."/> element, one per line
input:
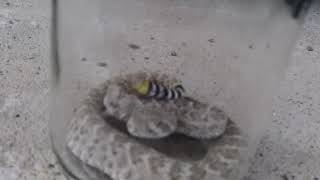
<point x="288" y="151"/>
<point x="24" y="144"/>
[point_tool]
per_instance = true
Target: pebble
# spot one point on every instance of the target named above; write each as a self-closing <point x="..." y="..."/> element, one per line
<point x="309" y="48"/>
<point x="173" y="53"/>
<point x="284" y="177"/>
<point x="211" y="40"/>
<point x="51" y="166"/>
<point x="102" y="64"/>
<point x="134" y="46"/>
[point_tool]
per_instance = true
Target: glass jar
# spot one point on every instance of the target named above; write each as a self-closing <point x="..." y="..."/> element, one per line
<point x="229" y="54"/>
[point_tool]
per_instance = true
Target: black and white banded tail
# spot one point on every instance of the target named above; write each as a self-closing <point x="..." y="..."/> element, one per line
<point x="161" y="92"/>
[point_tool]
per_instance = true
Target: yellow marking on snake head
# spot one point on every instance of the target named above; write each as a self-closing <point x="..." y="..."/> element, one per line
<point x="143" y="87"/>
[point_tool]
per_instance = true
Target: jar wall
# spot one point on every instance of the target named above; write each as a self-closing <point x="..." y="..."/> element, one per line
<point x="232" y="54"/>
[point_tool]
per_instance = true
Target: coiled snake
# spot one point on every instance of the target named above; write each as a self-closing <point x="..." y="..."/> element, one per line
<point x="131" y="138"/>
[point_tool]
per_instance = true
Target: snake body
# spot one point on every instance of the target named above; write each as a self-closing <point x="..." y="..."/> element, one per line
<point x="150" y="118"/>
<point x="128" y="154"/>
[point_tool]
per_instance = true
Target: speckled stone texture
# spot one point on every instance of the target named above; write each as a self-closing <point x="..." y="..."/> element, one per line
<point x="25" y="152"/>
<point x="290" y="149"/>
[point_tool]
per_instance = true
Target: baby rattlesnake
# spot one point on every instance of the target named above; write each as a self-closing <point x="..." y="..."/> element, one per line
<point x="96" y="142"/>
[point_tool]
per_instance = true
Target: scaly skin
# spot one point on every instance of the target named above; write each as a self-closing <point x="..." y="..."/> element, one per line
<point x="112" y="151"/>
<point x="149" y="118"/>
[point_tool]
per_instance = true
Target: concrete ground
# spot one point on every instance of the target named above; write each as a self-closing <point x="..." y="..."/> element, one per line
<point x="288" y="151"/>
